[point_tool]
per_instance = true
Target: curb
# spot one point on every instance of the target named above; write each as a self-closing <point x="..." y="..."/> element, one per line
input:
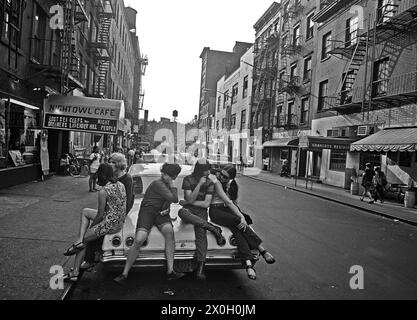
<point x="337" y="201"/>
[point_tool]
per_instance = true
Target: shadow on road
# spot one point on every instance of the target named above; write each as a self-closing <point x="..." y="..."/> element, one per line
<point x="152" y="285"/>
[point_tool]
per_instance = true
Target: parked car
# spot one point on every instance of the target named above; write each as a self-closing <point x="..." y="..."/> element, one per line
<point x="152" y="255"/>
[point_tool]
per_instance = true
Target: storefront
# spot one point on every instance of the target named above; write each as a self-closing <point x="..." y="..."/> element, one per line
<point x="396" y="148"/>
<point x="279" y="150"/>
<point x="324" y="159"/>
<point x="20" y="128"/>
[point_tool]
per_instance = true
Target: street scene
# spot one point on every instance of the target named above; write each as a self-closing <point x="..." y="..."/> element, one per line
<point x="270" y="158"/>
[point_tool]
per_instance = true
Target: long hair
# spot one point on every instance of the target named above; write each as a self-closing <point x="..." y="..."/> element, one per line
<point x="233" y="187"/>
<point x="105" y="174"/>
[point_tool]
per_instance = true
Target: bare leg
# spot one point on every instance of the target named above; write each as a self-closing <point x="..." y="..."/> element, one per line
<point x="168" y="233"/>
<point x="86" y="216"/>
<point x="140" y="238"/>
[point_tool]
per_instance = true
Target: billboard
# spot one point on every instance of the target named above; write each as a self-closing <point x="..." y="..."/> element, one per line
<point x="102" y="116"/>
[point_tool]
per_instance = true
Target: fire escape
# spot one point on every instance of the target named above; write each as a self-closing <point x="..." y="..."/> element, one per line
<point x="100" y="48"/>
<point x="392" y="27"/>
<point x="264" y="76"/>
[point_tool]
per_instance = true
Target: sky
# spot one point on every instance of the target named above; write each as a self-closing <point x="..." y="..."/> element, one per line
<point x="173" y="34"/>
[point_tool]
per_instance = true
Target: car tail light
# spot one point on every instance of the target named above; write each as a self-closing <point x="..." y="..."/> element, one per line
<point x="116" y="241"/>
<point x="130" y="241"/>
<point x="232" y="241"/>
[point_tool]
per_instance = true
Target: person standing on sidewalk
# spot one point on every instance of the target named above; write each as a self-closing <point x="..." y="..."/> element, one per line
<point x="379" y="182"/>
<point x="224" y="212"/>
<point x="367" y="182"/>
<point x="198" y="193"/>
<point x="154" y="210"/>
<point x="95" y="158"/>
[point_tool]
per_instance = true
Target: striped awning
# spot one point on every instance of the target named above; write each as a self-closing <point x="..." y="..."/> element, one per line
<point x="391" y="139"/>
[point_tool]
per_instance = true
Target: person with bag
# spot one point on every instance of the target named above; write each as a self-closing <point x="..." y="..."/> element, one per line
<point x="198" y="193"/>
<point x="223" y="211"/>
<point x="95" y="158"/>
<point x="379" y="182"/>
<point x="111" y="206"/>
<point x="154" y="210"/>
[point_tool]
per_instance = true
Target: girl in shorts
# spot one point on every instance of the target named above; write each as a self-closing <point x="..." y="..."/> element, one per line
<point x="154" y="210"/>
<point x="111" y="206"/>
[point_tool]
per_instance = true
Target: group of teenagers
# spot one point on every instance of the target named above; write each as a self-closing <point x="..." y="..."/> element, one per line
<point x="205" y="194"/>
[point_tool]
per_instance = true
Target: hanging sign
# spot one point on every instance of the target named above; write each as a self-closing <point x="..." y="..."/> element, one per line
<point x="104" y="116"/>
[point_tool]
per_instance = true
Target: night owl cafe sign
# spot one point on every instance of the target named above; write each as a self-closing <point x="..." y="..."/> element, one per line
<point x="83" y="114"/>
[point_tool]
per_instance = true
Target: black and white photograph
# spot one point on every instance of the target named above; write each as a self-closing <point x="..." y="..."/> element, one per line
<point x="208" y="155"/>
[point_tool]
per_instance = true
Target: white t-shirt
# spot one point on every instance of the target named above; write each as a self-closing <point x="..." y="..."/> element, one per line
<point x="96" y="163"/>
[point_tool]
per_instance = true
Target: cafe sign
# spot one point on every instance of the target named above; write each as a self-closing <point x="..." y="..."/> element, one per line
<point x="103" y="116"/>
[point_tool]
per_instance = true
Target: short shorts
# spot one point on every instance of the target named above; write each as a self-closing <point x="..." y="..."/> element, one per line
<point x="149" y="217"/>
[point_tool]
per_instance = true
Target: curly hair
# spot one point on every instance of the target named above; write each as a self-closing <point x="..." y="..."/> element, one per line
<point x="119" y="160"/>
<point x="171" y="169"/>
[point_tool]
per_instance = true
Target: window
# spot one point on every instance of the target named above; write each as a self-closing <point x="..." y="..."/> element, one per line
<point x="322" y="94"/>
<point x="347" y="84"/>
<point x="326" y="45"/>
<point x="11" y="27"/>
<point x="385" y="10"/>
<point x="39" y="28"/>
<point x="373" y="158"/>
<point x="305" y="106"/>
<point x="307" y="69"/>
<point x="235" y="90"/>
<point x="381" y="76"/>
<point x="217" y="124"/>
<point x="337" y="160"/>
<point x="243" y="120"/>
<point x="296" y="38"/>
<point x="19" y="133"/>
<point x="223" y="123"/>
<point x="226" y="98"/>
<point x="405" y="159"/>
<point x="245" y="87"/>
<point x="276" y="26"/>
<point x="219" y="101"/>
<point x="293" y="71"/>
<point x="233" y="121"/>
<point x="290" y="113"/>
<point x="351" y="36"/>
<point x="278" y="117"/>
<point x="310" y="26"/>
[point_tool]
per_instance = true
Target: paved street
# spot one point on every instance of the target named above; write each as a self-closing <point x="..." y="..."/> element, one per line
<point x="315" y="242"/>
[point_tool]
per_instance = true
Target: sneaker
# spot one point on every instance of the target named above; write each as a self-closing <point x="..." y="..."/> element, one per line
<point x="121" y="279"/>
<point x="175" y="275"/>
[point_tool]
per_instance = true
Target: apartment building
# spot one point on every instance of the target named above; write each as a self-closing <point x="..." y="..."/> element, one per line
<point x="366" y="87"/>
<point x="215" y="64"/>
<point x="231" y="119"/>
<point x="44" y="57"/>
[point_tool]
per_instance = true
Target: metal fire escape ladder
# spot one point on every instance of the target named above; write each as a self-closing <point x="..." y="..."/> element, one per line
<point x="260" y="81"/>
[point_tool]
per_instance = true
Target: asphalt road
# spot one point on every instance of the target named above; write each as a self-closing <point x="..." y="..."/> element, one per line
<point x="315" y="243"/>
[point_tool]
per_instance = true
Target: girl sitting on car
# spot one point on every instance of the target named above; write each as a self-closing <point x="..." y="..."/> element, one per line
<point x="224" y="212"/>
<point x="111" y="206"/>
<point x="154" y="210"/>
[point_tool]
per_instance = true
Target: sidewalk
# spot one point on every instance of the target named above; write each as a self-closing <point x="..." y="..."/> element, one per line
<point x="38" y="221"/>
<point x="389" y="209"/>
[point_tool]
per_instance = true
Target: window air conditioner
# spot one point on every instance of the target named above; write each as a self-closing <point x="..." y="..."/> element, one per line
<point x="362" y="130"/>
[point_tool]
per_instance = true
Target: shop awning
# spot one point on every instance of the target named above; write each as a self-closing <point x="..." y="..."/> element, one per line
<point x="281" y="143"/>
<point x="391" y="139"/>
<point x="319" y="143"/>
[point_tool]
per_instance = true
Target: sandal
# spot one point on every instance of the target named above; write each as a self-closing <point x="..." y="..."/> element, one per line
<point x="271" y="260"/>
<point x="70" y="277"/>
<point x="75" y="248"/>
<point x="251" y="276"/>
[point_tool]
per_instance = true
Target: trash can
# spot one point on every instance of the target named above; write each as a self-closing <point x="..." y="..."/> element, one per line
<point x="409" y="199"/>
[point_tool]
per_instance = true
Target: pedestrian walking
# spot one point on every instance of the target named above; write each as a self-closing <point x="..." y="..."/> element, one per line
<point x="95" y="158"/>
<point x="379" y="182"/>
<point x="198" y="193"/>
<point x="154" y="210"/>
<point x="367" y="182"/>
<point x="224" y="212"/>
<point x="111" y="206"/>
<point x="119" y="165"/>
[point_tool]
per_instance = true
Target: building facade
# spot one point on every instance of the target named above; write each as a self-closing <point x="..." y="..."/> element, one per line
<point x="366" y="81"/>
<point x="86" y="51"/>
